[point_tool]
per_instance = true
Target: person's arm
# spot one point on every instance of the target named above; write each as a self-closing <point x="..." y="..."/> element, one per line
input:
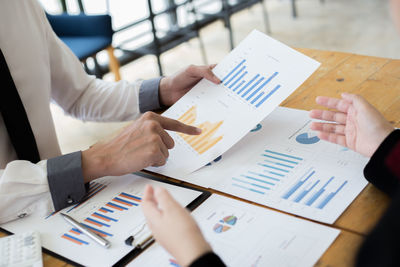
<point x="175" y="229"/>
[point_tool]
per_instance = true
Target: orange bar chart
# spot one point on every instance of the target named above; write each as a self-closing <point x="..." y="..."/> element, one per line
<point x="203" y="142"/>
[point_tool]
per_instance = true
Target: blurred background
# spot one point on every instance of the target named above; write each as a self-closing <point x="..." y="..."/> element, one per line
<point x="153" y="37"/>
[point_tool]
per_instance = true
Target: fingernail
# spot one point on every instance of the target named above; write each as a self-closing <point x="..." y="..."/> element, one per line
<point x="198" y="130"/>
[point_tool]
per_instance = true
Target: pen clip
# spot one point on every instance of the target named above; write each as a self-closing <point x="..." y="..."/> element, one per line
<point x="130" y="241"/>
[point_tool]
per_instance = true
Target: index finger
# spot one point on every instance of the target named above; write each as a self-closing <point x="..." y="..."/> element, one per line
<point x="177" y="126"/>
<point x="334" y="103"/>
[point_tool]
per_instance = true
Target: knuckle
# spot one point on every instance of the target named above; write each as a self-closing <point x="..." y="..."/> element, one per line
<point x="151" y="125"/>
<point x="154" y="138"/>
<point x="148" y="115"/>
<point x="191" y="68"/>
<point x="153" y="150"/>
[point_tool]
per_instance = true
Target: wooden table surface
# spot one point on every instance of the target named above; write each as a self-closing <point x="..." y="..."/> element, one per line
<point x="378" y="80"/>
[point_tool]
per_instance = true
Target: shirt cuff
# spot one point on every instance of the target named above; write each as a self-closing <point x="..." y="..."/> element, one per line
<point x="64" y="174"/>
<point x="148" y="95"/>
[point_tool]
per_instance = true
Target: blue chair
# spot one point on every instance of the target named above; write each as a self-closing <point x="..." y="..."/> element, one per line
<point x="86" y="35"/>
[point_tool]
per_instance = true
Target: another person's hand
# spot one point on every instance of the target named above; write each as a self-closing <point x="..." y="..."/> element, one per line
<point x="139" y="145"/>
<point x="173" y="226"/>
<point x="175" y="86"/>
<point x="356" y="123"/>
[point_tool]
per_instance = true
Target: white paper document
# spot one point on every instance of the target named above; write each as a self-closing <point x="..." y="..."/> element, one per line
<point x="111" y="210"/>
<point x="256" y="77"/>
<point x="282" y="164"/>
<point x="246" y="235"/>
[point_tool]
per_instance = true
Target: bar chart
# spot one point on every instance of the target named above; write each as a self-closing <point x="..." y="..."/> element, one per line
<point x="104" y="218"/>
<point x="203" y="142"/>
<point x="314" y="190"/>
<point x="255" y="89"/>
<point x="270" y="169"/>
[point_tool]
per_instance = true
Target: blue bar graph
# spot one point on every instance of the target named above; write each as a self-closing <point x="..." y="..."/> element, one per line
<point x="105" y="217"/>
<point x="274" y="168"/>
<point x="247" y="84"/>
<point x="126" y="201"/>
<point x="305" y="192"/>
<point x="279" y="164"/>
<point x="330" y="196"/>
<point x="247" y="188"/>
<point x="77" y="239"/>
<point x="240" y="84"/>
<point x="256" y="179"/>
<point x="115" y="205"/>
<point x="297" y="185"/>
<point x="261" y="86"/>
<point x="131" y="196"/>
<point x="234" y="76"/>
<point x="318" y="193"/>
<point x="265" y="176"/>
<point x="257" y="97"/>
<point x="252" y="87"/>
<point x="232" y="71"/>
<point x="97" y="230"/>
<point x="267" y="96"/>
<point x="238" y="79"/>
<point x="97" y="222"/>
<point x="283" y="155"/>
<point x="250" y="183"/>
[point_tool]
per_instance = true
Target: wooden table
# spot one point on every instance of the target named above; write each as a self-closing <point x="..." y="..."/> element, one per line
<point x="378" y="80"/>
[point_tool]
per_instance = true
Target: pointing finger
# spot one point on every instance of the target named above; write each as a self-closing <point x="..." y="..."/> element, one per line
<point x="177" y="126"/>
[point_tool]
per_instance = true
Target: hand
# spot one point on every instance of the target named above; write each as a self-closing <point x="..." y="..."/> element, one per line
<point x="173" y="226"/>
<point x="141" y="144"/>
<point x="357" y="124"/>
<point x="174" y="87"/>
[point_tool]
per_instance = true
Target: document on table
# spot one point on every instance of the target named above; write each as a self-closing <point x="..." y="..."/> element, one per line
<point x="256" y="77"/>
<point x="246" y="235"/>
<point x="111" y="210"/>
<point x="282" y="164"/>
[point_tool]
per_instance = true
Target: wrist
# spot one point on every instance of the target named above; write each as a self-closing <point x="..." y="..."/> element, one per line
<point x="93" y="165"/>
<point x="163" y="91"/>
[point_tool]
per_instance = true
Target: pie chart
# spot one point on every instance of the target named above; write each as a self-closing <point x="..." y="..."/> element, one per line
<point x="225" y="224"/>
<point x="307" y="139"/>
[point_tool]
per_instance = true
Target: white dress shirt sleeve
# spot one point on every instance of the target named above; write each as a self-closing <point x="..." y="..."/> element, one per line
<point x="23" y="190"/>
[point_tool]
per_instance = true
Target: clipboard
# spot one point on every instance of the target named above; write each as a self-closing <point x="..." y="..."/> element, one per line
<point x="135" y="252"/>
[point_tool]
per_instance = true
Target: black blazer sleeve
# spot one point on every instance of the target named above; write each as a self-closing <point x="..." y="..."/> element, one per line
<point x="383" y="169"/>
<point x="207" y="260"/>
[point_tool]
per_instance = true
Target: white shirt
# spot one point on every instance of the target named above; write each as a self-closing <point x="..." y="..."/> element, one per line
<point x="44" y="69"/>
